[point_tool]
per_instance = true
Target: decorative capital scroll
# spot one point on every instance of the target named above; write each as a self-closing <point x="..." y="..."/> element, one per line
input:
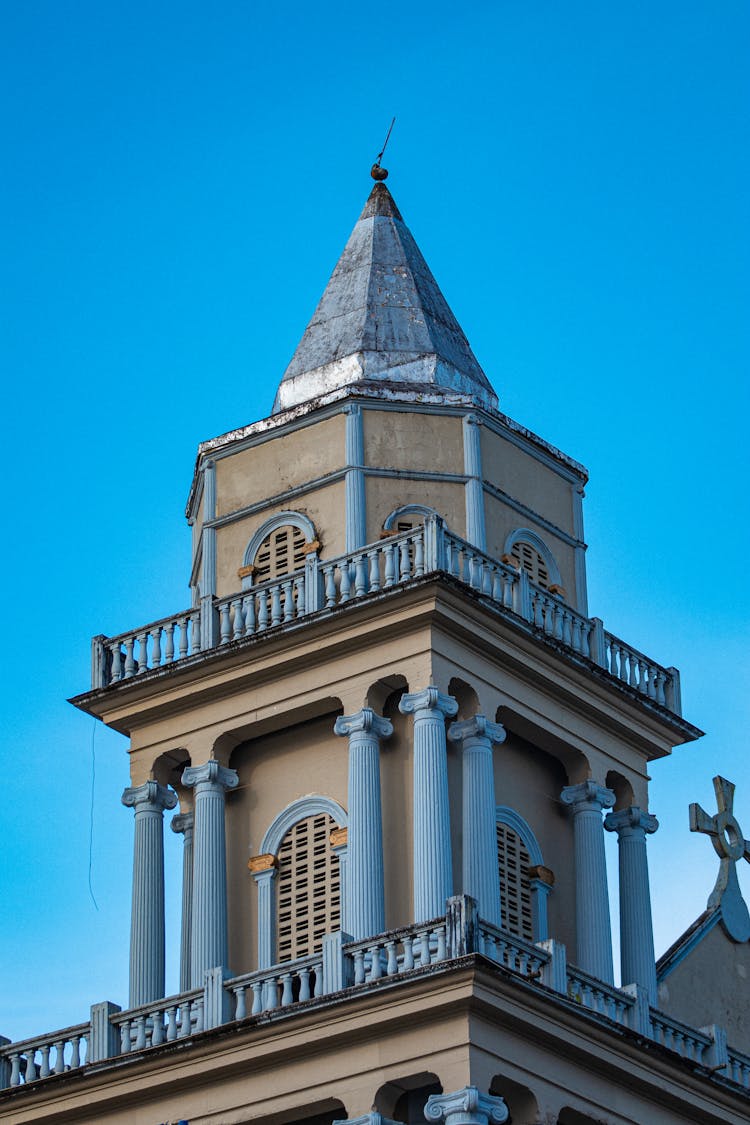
<point x="149" y="797"/>
<point x="587" y="797"/>
<point x="477" y="727"/>
<point x="210" y="776"/>
<point x="631" y="821"/>
<point x="365" y="722"/>
<point x="182" y="823"/>
<point x="429" y="699"/>
<point x="730" y="846"/>
<point x="466" y="1107"/>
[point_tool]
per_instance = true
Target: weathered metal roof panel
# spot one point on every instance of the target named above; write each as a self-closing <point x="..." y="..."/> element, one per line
<point x="382" y="316"/>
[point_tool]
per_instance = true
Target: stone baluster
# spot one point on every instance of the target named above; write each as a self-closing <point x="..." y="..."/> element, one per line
<point x="364" y="909"/>
<point x="433" y="870"/>
<point x="147" y="918"/>
<point x="481" y="877"/>
<point x="593" y="931"/>
<point x="208" y="945"/>
<point x="183" y="824"/>
<point x="637" y="960"/>
<point x="466" y="1107"/>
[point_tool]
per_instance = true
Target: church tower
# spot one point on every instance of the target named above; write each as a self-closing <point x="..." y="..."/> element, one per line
<point x="393" y="738"/>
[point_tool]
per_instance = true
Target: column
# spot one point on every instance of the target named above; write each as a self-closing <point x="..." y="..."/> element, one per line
<point x="593" y="931"/>
<point x="147" y="917"/>
<point x="638" y="965"/>
<point x="466" y="1107"/>
<point x="475" y="530"/>
<point x="433" y="865"/>
<point x="209" y="630"/>
<point x="264" y="869"/>
<point x="208" y="945"/>
<point x="481" y="877"/>
<point x="183" y="824"/>
<point x="356" y="533"/>
<point x="364" y="911"/>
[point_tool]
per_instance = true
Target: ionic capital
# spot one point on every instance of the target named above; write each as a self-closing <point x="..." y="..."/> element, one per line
<point x="466" y="1107"/>
<point x="210" y="777"/>
<point x="478" y="728"/>
<point x="630" y="822"/>
<point x="587" y="797"/>
<point x="430" y="699"/>
<point x="149" y="797"/>
<point x="364" y="722"/>
<point x="183" y="824"/>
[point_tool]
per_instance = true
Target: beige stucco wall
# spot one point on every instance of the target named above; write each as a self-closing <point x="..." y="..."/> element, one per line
<point x="324" y="507"/>
<point x="385" y="494"/>
<point x="712" y="985"/>
<point x="419" y="442"/>
<point x="527" y="479"/>
<point x="284" y="461"/>
<point x="501" y="519"/>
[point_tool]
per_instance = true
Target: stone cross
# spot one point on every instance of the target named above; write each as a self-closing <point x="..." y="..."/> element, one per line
<point x="730" y="846"/>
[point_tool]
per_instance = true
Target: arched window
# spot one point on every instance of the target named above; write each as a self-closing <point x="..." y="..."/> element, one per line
<point x="277" y="548"/>
<point x="407" y="518"/>
<point x="300" y="875"/>
<point x="534" y="556"/>
<point x="308" y="896"/>
<point x="525" y="882"/>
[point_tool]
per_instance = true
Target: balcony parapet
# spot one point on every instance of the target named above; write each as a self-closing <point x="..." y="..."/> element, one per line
<point x="346" y="969"/>
<point x="327" y="585"/>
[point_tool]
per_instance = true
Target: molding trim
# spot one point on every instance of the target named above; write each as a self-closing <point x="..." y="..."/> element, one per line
<point x="407" y="510"/>
<point x="310" y="805"/>
<point x="526" y="535"/>
<point x="515" y="821"/>
<point x="529" y="513"/>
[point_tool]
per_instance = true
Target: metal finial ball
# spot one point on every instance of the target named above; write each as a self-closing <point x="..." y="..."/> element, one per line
<point x="378" y="173"/>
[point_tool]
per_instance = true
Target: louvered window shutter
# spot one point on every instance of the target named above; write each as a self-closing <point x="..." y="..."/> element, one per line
<point x="309" y="888"/>
<point x="282" y="552"/>
<point x="532" y="562"/>
<point x="515" y="889"/>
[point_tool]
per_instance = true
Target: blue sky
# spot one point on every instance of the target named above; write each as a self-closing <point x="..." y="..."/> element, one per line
<point x="178" y="182"/>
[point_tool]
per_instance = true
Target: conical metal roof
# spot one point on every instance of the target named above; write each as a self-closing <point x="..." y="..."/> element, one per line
<point x="382" y="321"/>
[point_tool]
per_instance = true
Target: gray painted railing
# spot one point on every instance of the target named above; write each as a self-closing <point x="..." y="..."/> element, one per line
<point x="277" y="987"/>
<point x="44" y="1055"/>
<point x="327" y="584"/>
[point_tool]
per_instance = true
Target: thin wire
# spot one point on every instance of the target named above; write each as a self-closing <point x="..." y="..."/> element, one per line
<point x="385" y="142"/>
<point x="91" y="815"/>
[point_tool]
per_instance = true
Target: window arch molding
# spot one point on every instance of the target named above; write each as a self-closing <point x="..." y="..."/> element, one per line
<point x="281" y="519"/>
<point x="422" y="510"/>
<point x="540" y="889"/>
<point x="314" y="804"/>
<point x="526" y="535"/>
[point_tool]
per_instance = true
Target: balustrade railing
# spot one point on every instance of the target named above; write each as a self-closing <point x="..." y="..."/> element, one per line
<point x="510" y="951"/>
<point x="599" y="997"/>
<point x="738" y="1068"/>
<point x="45" y="1055"/>
<point x="398" y="951"/>
<point x="277" y="987"/>
<point x="326" y="584"/>
<point x="680" y="1037"/>
<point x="162" y="1021"/>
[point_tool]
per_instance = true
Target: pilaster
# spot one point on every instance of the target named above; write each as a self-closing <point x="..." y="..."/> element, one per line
<point x="264" y="869"/>
<point x="208" y="569"/>
<point x="433" y="870"/>
<point x="208" y="946"/>
<point x="364" y="913"/>
<point x="147" y="916"/>
<point x="475" y="524"/>
<point x="480" y="868"/>
<point x="638" y="965"/>
<point x="593" y="929"/>
<point x="356" y="520"/>
<point x="182" y="824"/>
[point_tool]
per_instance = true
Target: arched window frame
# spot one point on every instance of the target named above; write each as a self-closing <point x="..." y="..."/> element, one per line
<point x="526" y="535"/>
<point x="539" y="889"/>
<point x="312" y="805"/>
<point x="407" y="510"/>
<point x="282" y="519"/>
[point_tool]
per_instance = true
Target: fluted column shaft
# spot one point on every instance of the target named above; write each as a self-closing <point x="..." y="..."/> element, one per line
<point x="637" y="961"/>
<point x="208" y="945"/>
<point x="481" y="877"/>
<point x="593" y="929"/>
<point x="147" y="913"/>
<point x="364" y="909"/>
<point x="183" y="824"/>
<point x="433" y="865"/>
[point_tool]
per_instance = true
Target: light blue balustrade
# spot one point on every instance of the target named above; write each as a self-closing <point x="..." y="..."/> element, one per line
<point x="686" y="1041"/>
<point x="398" y="951"/>
<point x="510" y="951"/>
<point x="372" y="569"/>
<point x="738" y="1068"/>
<point x="599" y="996"/>
<point x="45" y="1055"/>
<point x="276" y="987"/>
<point x="151" y="1025"/>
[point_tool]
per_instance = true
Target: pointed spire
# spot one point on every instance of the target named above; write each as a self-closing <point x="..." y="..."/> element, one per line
<point x="382" y="322"/>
